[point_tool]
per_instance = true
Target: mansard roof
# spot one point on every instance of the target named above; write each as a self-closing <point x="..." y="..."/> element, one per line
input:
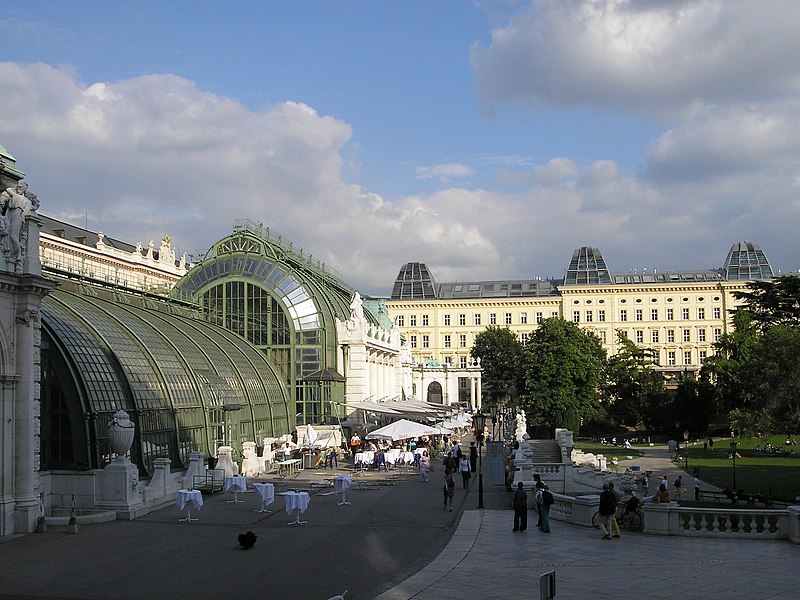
<point x="745" y="261"/>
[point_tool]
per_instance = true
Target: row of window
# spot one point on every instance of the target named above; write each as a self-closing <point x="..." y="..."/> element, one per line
<point x="477" y="319"/>
<point x="588" y="317"/>
<point x="460" y="340"/>
<point x="672" y="358"/>
<point x="686" y="335"/>
<point x="638" y="314"/>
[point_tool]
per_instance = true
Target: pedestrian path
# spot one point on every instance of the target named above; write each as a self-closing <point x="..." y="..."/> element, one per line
<point x="658" y="460"/>
<point x="485" y="558"/>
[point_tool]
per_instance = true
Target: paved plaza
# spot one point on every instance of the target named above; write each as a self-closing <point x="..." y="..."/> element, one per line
<point x="393" y="542"/>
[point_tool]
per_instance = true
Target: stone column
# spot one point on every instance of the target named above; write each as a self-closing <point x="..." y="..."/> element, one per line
<point x="7" y="448"/>
<point x="26" y="424"/>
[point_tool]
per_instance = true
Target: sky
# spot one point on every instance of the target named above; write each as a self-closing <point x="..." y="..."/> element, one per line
<point x="488" y="139"/>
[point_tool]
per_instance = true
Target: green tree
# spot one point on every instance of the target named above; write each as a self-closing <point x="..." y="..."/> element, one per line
<point x="632" y="384"/>
<point x="773" y="302"/>
<point x="773" y="373"/>
<point x="500" y="352"/>
<point x="726" y="367"/>
<point x="563" y="369"/>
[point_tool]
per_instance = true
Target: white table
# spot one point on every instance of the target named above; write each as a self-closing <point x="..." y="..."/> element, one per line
<point x="237" y="483"/>
<point x="393" y="456"/>
<point x="364" y="459"/>
<point x="188" y="499"/>
<point x="289" y="467"/>
<point x="297" y="502"/>
<point x="266" y="492"/>
<point x="341" y="485"/>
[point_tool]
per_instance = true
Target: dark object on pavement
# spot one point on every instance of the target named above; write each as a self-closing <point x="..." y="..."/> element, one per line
<point x="247" y="540"/>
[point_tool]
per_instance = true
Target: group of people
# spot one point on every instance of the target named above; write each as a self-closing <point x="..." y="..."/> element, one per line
<point x="543" y="499"/>
<point x="456" y="460"/>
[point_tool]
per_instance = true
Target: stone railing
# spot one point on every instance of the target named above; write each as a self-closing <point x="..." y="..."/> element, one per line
<point x="671" y="519"/>
<point x="754" y="524"/>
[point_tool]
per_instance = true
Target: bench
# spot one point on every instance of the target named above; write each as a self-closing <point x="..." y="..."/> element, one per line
<point x="708" y="495"/>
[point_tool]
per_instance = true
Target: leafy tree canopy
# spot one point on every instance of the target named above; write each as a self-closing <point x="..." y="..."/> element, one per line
<point x="631" y="382"/>
<point x="773" y="302"/>
<point x="500" y="352"/>
<point x="563" y="366"/>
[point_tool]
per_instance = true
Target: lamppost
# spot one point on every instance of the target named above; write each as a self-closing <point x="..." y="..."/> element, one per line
<point x="479" y="422"/>
<point x="733" y="456"/>
<point x="493" y="413"/>
<point x="686" y="447"/>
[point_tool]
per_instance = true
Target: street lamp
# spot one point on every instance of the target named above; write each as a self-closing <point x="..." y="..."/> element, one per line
<point x="686" y="447"/>
<point x="479" y="422"/>
<point x="493" y="413"/>
<point x="733" y="456"/>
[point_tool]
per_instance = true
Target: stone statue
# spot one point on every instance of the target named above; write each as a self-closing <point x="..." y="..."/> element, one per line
<point x="357" y="307"/>
<point x="15" y="206"/>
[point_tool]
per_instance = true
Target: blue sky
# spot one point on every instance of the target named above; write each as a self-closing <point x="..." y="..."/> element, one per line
<point x="487" y="138"/>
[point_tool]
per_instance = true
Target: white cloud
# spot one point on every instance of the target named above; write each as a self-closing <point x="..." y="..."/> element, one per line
<point x="156" y="155"/>
<point x="444" y="172"/>
<point x="656" y="57"/>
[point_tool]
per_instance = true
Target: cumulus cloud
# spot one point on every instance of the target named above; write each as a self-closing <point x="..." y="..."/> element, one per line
<point x="655" y="57"/>
<point x="155" y="155"/>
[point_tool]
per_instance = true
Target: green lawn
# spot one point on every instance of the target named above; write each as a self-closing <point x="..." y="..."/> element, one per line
<point x="772" y="474"/>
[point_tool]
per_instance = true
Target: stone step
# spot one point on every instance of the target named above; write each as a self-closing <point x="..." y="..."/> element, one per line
<point x="546" y="451"/>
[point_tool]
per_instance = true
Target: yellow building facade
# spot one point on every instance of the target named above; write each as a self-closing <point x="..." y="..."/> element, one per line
<point x="679" y="315"/>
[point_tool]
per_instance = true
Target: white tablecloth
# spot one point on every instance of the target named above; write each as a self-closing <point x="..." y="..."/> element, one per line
<point x="365" y="457"/>
<point x="296" y="500"/>
<point x="341" y="483"/>
<point x="393" y="455"/>
<point x="266" y="491"/>
<point x="194" y="497"/>
<point x="237" y="483"/>
<point x="408" y="457"/>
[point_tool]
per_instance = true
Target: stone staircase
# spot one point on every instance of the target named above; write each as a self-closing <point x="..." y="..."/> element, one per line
<point x="545" y="451"/>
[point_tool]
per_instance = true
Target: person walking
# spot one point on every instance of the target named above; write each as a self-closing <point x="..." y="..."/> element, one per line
<point x="544" y="499"/>
<point x="608" y="506"/>
<point x="520" y="505"/>
<point x="473" y="457"/>
<point x="463" y="467"/>
<point x="425" y="466"/>
<point x="614" y="523"/>
<point x="696" y="489"/>
<point x="448" y="490"/>
<point x="449" y="463"/>
<point x="537" y="479"/>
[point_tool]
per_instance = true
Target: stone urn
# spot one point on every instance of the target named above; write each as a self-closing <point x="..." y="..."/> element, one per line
<point x="120" y="433"/>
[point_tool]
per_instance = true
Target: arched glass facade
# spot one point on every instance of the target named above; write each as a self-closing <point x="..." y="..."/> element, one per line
<point x="187" y="385"/>
<point x="258" y="286"/>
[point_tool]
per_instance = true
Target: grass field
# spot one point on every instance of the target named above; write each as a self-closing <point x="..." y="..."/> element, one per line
<point x="776" y="475"/>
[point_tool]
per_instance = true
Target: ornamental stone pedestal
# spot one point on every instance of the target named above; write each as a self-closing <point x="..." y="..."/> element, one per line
<point x="118" y="483"/>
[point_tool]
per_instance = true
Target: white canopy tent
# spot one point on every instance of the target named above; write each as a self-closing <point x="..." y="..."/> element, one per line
<point x="402" y="430"/>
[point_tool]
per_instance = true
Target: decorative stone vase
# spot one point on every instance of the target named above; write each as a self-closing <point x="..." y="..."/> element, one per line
<point x="120" y="433"/>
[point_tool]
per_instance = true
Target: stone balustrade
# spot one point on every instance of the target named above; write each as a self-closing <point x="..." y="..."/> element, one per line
<point x="671" y="519"/>
<point x="763" y="524"/>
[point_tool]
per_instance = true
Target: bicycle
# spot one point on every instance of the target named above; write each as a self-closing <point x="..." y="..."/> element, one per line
<point x="628" y="517"/>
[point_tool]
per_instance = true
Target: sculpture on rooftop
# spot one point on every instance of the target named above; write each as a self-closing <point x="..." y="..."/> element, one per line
<point x="357" y="307"/>
<point x="15" y="204"/>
